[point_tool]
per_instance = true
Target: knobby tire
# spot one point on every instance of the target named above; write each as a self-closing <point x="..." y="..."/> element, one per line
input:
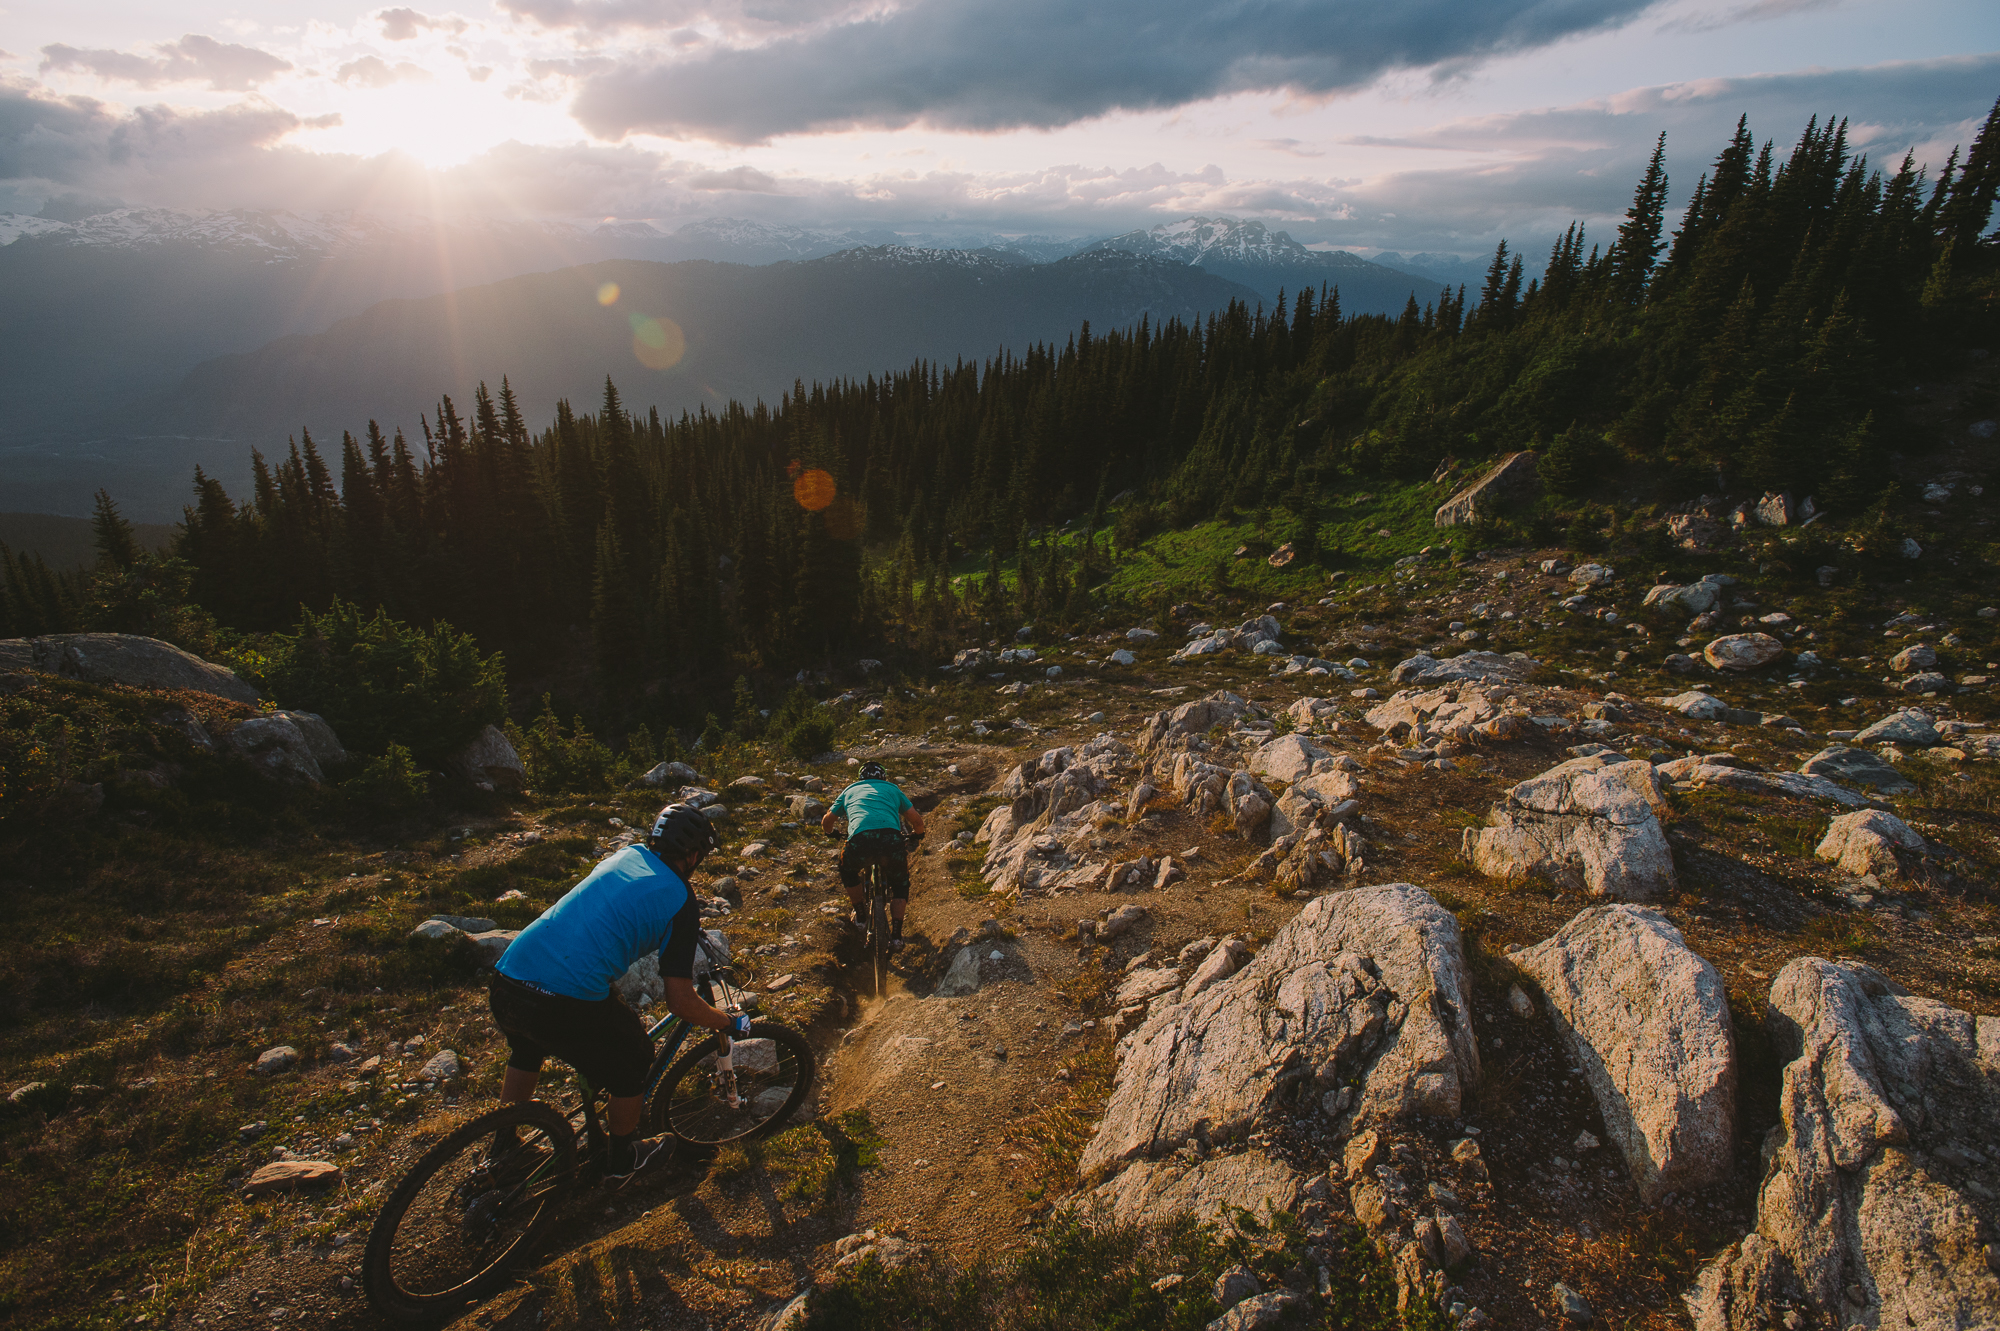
<point x="461" y="1220"/>
<point x="878" y="927"/>
<point x="685" y="1102"/>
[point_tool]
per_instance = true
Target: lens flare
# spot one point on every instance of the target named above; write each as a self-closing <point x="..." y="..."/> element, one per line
<point x="814" y="489"/>
<point x="608" y="294"/>
<point x="658" y="344"/>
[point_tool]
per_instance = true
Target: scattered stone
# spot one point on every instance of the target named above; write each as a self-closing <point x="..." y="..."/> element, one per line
<point x="1465" y="668"/>
<point x="1867" y="842"/>
<point x="1861" y="767"/>
<point x="1287" y="758"/>
<point x="1235" y="1285"/>
<point x="1917" y="656"/>
<point x="1592" y="575"/>
<point x="1591" y="823"/>
<point x="1571" y="1306"/>
<point x="1260" y="1312"/>
<point x="276" y="1059"/>
<point x="1121" y="920"/>
<point x="290" y="1175"/>
<point x="1122" y="657"/>
<point x="1521" y="1005"/>
<point x="1648" y="1021"/>
<point x="443" y="1066"/>
<point x="1909" y="728"/>
<point x="1698" y="706"/>
<point x="1743" y="651"/>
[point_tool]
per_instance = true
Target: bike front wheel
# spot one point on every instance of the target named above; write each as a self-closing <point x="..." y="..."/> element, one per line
<point x="706" y="1105"/>
<point x="473" y="1206"/>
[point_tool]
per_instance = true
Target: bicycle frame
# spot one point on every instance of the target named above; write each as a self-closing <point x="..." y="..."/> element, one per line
<point x="667" y="1034"/>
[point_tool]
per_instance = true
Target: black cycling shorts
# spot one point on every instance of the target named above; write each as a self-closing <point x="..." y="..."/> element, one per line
<point x="604" y="1040"/>
<point x="877" y="846"/>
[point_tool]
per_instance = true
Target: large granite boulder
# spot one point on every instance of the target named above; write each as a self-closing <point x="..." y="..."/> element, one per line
<point x="1870" y="841"/>
<point x="1909" y="727"/>
<point x="1590" y="823"/>
<point x="1649" y="1024"/>
<point x="1287" y="758"/>
<point x="123" y="658"/>
<point x="1743" y="651"/>
<point x="1515" y="480"/>
<point x="489" y="761"/>
<point x="277" y="749"/>
<point x="1877" y="1203"/>
<point x="1364" y="989"/>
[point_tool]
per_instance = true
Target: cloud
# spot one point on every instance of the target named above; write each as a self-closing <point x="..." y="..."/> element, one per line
<point x="731" y="16"/>
<point x="372" y="71"/>
<point x="1754" y="12"/>
<point x="1534" y="171"/>
<point x="400" y="25"/>
<point x="999" y="64"/>
<point x="737" y="178"/>
<point x="223" y="66"/>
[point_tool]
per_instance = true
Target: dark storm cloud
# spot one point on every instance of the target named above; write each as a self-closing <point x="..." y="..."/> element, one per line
<point x="224" y="66"/>
<point x="988" y="65"/>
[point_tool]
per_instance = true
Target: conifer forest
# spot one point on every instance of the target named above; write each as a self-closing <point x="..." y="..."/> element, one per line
<point x="639" y="566"/>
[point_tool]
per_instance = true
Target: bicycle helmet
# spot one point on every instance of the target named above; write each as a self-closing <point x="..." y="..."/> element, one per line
<point x="680" y="832"/>
<point x="873" y="772"/>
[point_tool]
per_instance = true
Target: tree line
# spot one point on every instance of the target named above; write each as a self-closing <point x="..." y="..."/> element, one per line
<point x="644" y="564"/>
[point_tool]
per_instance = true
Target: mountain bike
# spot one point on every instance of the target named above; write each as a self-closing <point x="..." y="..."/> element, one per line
<point x="877" y="883"/>
<point x="477" y="1203"/>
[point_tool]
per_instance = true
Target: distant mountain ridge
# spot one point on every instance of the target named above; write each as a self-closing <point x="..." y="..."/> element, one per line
<point x="1269" y="262"/>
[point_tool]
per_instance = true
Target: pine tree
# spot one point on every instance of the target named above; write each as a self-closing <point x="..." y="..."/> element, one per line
<point x="117" y="548"/>
<point x="1639" y="237"/>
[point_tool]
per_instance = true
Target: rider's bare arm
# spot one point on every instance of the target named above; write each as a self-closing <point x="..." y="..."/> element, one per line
<point x="684" y="1002"/>
<point x="827" y="822"/>
<point x="914" y="821"/>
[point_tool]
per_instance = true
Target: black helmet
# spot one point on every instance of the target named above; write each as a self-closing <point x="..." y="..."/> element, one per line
<point x="680" y="832"/>
<point x="874" y="772"/>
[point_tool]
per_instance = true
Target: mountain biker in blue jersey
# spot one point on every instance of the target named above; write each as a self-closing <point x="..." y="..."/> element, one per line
<point x="876" y="813"/>
<point x="551" y="990"/>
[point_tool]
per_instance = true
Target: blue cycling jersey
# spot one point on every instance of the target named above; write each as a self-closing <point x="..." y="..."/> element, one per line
<point x="625" y="909"/>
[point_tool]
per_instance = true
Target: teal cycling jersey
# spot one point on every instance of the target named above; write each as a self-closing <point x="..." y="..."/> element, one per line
<point x="872" y="806"/>
<point x="630" y="905"/>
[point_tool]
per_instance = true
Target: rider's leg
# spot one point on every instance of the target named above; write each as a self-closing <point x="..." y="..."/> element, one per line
<point x="622" y="1114"/>
<point x="899" y="893"/>
<point x="850" y="878"/>
<point x="518" y="1086"/>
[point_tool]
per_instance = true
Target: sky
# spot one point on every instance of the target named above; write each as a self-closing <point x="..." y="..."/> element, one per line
<point x="1411" y="125"/>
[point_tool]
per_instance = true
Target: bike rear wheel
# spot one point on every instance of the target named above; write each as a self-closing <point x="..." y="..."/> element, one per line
<point x="470" y="1209"/>
<point x="878" y="927"/>
<point x="703" y="1106"/>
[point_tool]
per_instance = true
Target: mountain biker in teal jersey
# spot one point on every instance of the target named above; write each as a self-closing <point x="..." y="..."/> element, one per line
<point x="551" y="990"/>
<point x="876" y="812"/>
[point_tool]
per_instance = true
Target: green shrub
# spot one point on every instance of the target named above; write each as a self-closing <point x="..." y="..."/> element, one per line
<point x="389" y="782"/>
<point x="576" y="763"/>
<point x="380" y="682"/>
<point x="811" y="737"/>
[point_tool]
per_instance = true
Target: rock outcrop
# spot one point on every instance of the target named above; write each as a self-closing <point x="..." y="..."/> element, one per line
<point x="1877" y="1202"/>
<point x="1649" y="1024"/>
<point x="1042" y="838"/>
<point x="122" y="658"/>
<point x="1515" y="480"/>
<point x="286" y="746"/>
<point x="1465" y="668"/>
<point x="1287" y="758"/>
<point x="1860" y="767"/>
<point x="1357" y="1012"/>
<point x="1590" y="823"/>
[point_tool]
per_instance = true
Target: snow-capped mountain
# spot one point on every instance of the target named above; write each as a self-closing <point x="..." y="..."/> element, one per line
<point x="1268" y="262"/>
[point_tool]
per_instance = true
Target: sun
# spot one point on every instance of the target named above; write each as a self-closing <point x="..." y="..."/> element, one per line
<point x="442" y="121"/>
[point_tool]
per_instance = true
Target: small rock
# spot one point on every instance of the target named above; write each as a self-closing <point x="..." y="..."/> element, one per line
<point x="442" y="1066"/>
<point x="286" y="1175"/>
<point x="1743" y="651"/>
<point x="1570" y="1305"/>
<point x="1586" y="1141"/>
<point x="1121" y="920"/>
<point x="782" y="983"/>
<point x="278" y="1058"/>
<point x="1518" y="1000"/>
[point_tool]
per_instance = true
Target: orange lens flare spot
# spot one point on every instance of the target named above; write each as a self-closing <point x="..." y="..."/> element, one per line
<point x="608" y="294"/>
<point x="658" y="344"/>
<point x="814" y="489"/>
